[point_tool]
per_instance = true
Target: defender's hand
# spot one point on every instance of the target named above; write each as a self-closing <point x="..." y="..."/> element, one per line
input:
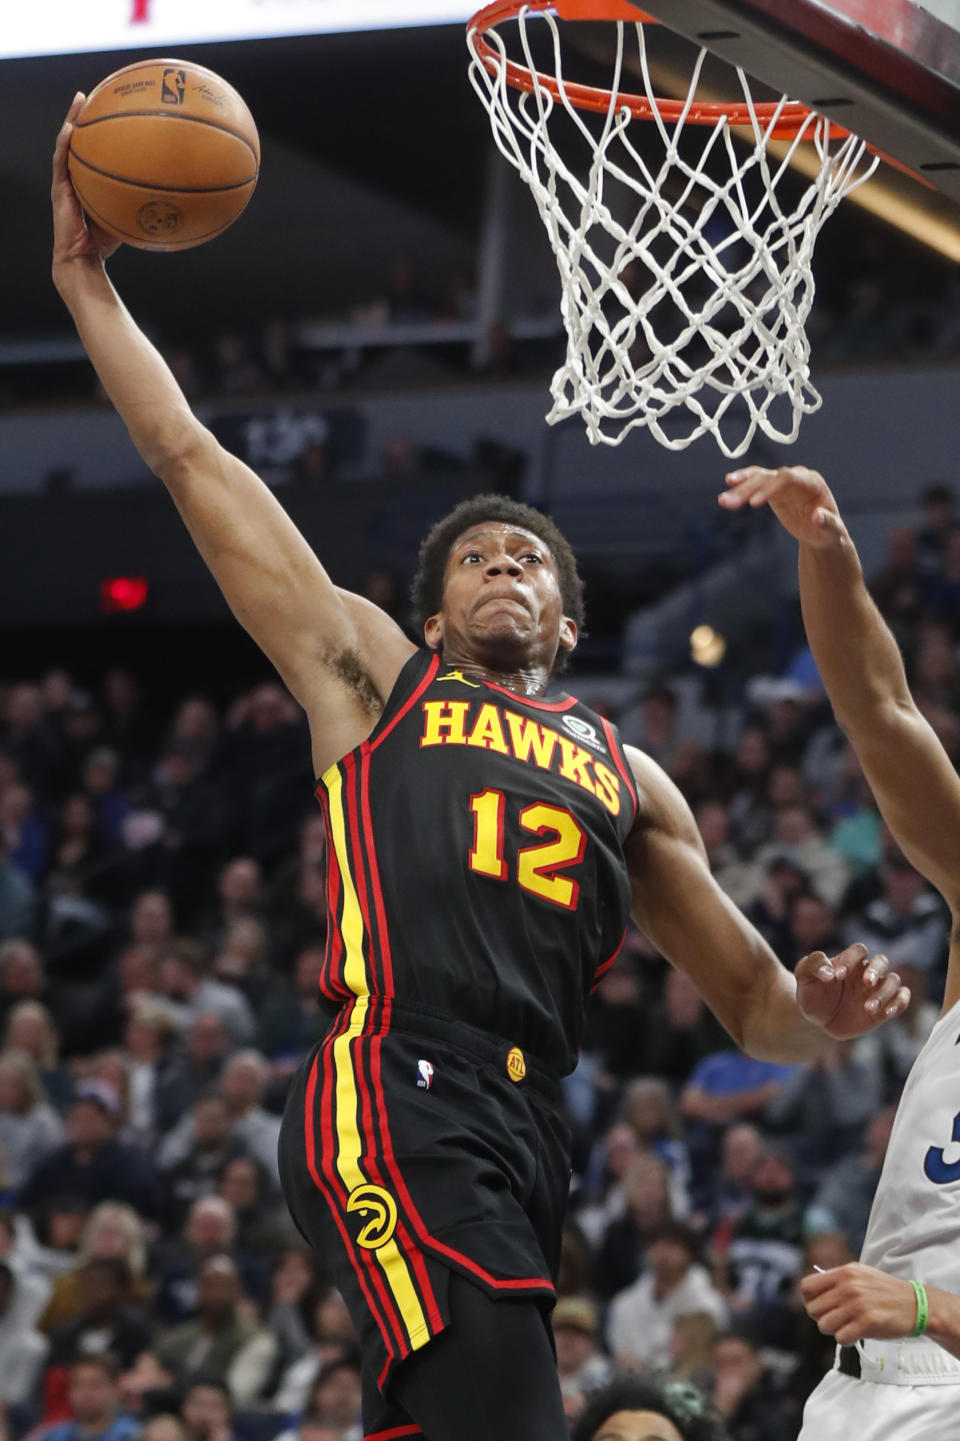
<point x="849" y="995"/>
<point x="76" y="238"/>
<point x="799" y="498"/>
<point x="853" y="1302"/>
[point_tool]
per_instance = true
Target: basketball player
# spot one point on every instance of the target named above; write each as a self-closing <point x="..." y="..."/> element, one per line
<point x="484" y="842"/>
<point x="898" y="1363"/>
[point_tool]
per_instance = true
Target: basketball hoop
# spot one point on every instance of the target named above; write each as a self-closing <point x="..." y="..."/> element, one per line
<point x="685" y="291"/>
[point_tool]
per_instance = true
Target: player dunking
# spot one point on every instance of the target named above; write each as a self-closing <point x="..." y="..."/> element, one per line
<point x="486" y="842"/>
<point x="904" y="1379"/>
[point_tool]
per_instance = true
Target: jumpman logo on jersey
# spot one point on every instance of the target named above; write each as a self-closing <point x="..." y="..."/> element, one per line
<point x="459" y="675"/>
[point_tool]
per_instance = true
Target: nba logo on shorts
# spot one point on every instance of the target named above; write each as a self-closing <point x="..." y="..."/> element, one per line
<point x="424" y="1075"/>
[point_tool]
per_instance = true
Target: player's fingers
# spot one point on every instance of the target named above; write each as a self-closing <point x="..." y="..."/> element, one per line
<point x="849" y="958"/>
<point x="743" y="484"/>
<point x="816" y="1284"/>
<point x="816" y="965"/>
<point x="63" y="139"/>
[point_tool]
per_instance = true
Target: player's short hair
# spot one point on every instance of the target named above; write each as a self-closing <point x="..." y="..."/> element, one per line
<point x="426" y="591"/>
<point x="689" y="1410"/>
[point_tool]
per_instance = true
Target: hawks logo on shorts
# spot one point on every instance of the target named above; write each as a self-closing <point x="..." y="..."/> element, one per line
<point x="379" y="1205"/>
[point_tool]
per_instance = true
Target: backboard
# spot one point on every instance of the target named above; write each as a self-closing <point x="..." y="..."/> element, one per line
<point x="888" y="70"/>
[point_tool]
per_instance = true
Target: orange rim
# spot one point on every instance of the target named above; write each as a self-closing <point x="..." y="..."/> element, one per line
<point x="793" y="118"/>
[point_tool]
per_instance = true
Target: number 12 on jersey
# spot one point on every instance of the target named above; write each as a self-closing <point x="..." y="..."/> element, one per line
<point x="537" y="865"/>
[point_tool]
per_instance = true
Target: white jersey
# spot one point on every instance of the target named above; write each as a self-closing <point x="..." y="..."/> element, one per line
<point x="914" y="1226"/>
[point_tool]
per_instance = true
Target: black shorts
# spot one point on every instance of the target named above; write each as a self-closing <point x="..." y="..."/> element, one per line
<point x="413" y="1145"/>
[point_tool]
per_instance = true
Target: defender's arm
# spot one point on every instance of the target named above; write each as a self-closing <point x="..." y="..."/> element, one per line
<point x="770" y="1013"/>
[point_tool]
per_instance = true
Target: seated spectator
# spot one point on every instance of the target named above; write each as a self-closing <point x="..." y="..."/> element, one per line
<point x="45" y="1245"/>
<point x="766" y="1250"/>
<point x="622" y="1248"/>
<point x="206" y="1410"/>
<point x="691" y="1347"/>
<point x="632" y="1406"/>
<point x="29" y="1126"/>
<point x="101" y="784"/>
<point x="16" y="898"/>
<point x="812" y="927"/>
<point x="209" y="1230"/>
<point x="796" y="835"/>
<point x="824" y="1105"/>
<point x="650" y="1109"/>
<point x="93" y="1400"/>
<point x="163" y="1427"/>
<point x="335" y="1396"/>
<point x="146" y="1386"/>
<point x="23" y="1348"/>
<point x="775" y="888"/>
<point x="263" y="1226"/>
<point x="896" y="1045"/>
<point x="842" y="1201"/>
<point x="148" y="1047"/>
<point x="239" y="895"/>
<point x="290" y="1020"/>
<point x="151" y="921"/>
<point x="678" y="1033"/>
<point x="193" y="1071"/>
<point x="107" y="1320"/>
<point x="242" y="1087"/>
<point x="198" y="1174"/>
<point x="581" y="1365"/>
<point x="907" y="922"/>
<point x="725" y="1087"/>
<point x="223" y="1341"/>
<point x="112" y="1231"/>
<point x="30" y="1029"/>
<point x="728" y="1193"/>
<point x="748" y="1394"/>
<point x="603" y="1184"/>
<point x="331" y="1334"/>
<point x="674" y="1283"/>
<point x="731" y="872"/>
<point x="190" y="989"/>
<point x="92" y="1163"/>
<point x="749" y="814"/>
<point x="22" y="976"/>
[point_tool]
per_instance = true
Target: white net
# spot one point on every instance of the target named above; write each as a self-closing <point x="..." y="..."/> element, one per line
<point x="685" y="262"/>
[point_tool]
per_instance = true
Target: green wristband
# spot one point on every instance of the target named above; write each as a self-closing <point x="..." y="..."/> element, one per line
<point x="923" y="1308"/>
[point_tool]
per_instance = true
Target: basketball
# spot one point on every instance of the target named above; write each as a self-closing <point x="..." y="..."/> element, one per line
<point x="164" y="155"/>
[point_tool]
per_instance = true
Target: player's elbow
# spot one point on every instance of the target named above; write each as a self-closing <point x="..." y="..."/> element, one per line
<point x="175" y="447"/>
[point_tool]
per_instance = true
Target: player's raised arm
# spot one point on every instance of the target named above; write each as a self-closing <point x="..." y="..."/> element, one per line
<point x="859" y="661"/>
<point x="771" y="1014"/>
<point x="338" y="654"/>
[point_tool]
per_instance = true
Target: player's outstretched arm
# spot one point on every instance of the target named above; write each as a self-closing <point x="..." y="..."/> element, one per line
<point x="856" y="1302"/>
<point x="770" y="1013"/>
<point x="915" y="785"/>
<point x="338" y="654"/>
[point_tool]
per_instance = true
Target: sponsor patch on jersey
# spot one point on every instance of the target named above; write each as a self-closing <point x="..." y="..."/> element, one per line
<point x="516" y="1065"/>
<point x="583" y="731"/>
<point x="424" y="1075"/>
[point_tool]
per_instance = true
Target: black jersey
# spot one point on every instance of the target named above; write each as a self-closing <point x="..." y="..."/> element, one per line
<point x="475" y="858"/>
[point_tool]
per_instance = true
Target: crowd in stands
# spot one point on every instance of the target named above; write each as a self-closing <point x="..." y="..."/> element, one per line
<point x="162" y="922"/>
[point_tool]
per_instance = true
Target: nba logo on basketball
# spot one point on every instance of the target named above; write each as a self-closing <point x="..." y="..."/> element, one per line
<point x="425" y="1076"/>
<point x="173" y="87"/>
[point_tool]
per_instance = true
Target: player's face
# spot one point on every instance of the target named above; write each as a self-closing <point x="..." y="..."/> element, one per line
<point x="501" y="600"/>
<point x="637" y="1426"/>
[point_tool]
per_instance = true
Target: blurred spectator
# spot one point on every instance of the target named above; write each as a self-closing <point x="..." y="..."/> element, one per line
<point x="331" y="1334"/>
<point x="22" y="975"/>
<point x="93" y="1397"/>
<point x="30" y="741"/>
<point x="621" y="1250"/>
<point x="749" y="814"/>
<point x="674" y="1284"/>
<point x="107" y="1320"/>
<point x="25" y="831"/>
<point x="16" y="897"/>
<point x="824" y="1104"/>
<point x="907" y="922"/>
<point x="727" y="1086"/>
<point x="291" y="1021"/>
<point x="747" y="1393"/>
<point x="691" y="1346"/>
<point x="766" y="1249"/>
<point x="209" y="1230"/>
<point x="813" y="927"/>
<point x="192" y="1073"/>
<point x="128" y="724"/>
<point x="796" y="837"/>
<point x="729" y="1191"/>
<point x="939" y="516"/>
<point x="101" y="775"/>
<point x="898" y="586"/>
<point x="842" y="1201"/>
<point x="335" y="1396"/>
<point x="894" y="1048"/>
<point x="187" y="983"/>
<point x="609" y="1164"/>
<point x="23" y="1349"/>
<point x="263" y="1226"/>
<point x="680" y="1031"/>
<point x="614" y="1021"/>
<point x="581" y="1364"/>
<point x="29" y="1028"/>
<point x="239" y="894"/>
<point x="652" y="726"/>
<point x="731" y="872"/>
<point x="206" y="1410"/>
<point x="29" y="1127"/>
<point x="778" y="885"/>
<point x="223" y="1341"/>
<point x="151" y="921"/>
<point x="650" y="1109"/>
<point x="198" y="1173"/>
<point x="112" y="1231"/>
<point x="92" y="1163"/>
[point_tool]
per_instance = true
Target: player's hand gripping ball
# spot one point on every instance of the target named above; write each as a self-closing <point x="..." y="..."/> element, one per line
<point x="164" y="154"/>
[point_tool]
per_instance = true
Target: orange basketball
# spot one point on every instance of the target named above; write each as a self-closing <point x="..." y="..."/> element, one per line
<point x="164" y="154"/>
